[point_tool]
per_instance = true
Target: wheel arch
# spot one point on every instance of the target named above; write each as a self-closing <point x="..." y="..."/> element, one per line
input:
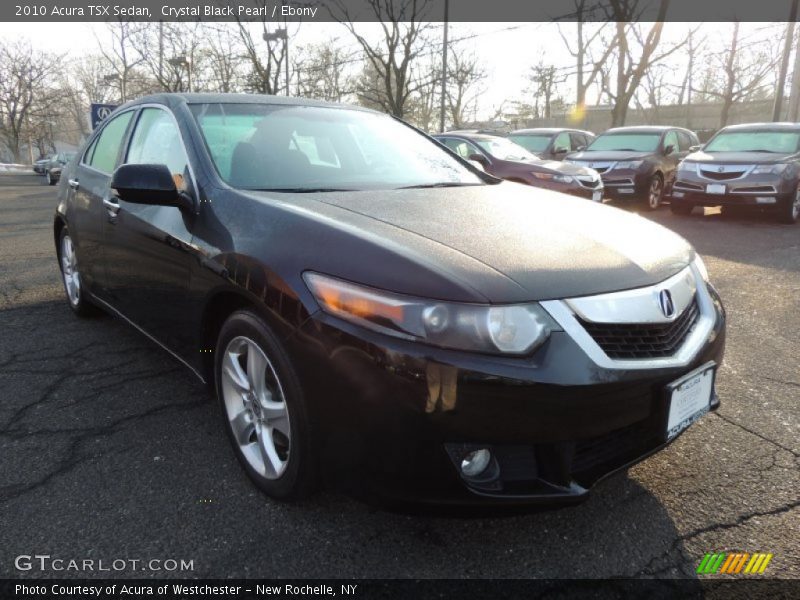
<point x="222" y="303"/>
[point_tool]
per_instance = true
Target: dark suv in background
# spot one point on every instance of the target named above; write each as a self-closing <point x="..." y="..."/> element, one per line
<point x="753" y="165"/>
<point x="501" y="157"/>
<point x="637" y="162"/>
<point x="552" y="143"/>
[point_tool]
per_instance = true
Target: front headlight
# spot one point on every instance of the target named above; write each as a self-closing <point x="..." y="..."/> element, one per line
<point x="552" y="177"/>
<point x="686" y="167"/>
<point x="628" y="164"/>
<point x="509" y="329"/>
<point x="776" y="169"/>
<point x="701" y="267"/>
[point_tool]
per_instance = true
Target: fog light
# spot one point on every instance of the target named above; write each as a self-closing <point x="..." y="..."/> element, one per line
<point x="475" y="463"/>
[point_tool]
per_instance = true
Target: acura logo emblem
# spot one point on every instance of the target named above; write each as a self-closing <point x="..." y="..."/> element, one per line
<point x="666" y="303"/>
<point x="721" y="170"/>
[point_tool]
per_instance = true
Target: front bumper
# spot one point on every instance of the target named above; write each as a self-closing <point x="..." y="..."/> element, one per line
<point x="754" y="190"/>
<point x="395" y="416"/>
<point x="590" y="190"/>
<point x="621" y="184"/>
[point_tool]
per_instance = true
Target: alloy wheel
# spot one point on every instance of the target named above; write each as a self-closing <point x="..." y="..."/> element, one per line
<point x="256" y="407"/>
<point x="796" y="205"/>
<point x="654" y="194"/>
<point x="69" y="271"/>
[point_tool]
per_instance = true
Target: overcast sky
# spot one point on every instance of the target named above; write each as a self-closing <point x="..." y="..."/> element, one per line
<point x="507" y="50"/>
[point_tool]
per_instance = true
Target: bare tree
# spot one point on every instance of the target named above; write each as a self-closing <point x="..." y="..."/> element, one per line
<point x="464" y="77"/>
<point x="170" y="54"/>
<point x="586" y="38"/>
<point x="545" y="80"/>
<point x="403" y="24"/>
<point x="27" y="95"/>
<point x="739" y="72"/>
<point x="264" y="59"/>
<point x="320" y="72"/>
<point x="629" y="70"/>
<point x="224" y="59"/>
<point x="121" y="57"/>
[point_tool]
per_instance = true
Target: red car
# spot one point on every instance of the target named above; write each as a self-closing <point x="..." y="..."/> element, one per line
<point x="503" y="158"/>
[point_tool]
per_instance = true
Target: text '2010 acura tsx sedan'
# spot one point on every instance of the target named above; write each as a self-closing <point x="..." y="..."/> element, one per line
<point x="371" y="308"/>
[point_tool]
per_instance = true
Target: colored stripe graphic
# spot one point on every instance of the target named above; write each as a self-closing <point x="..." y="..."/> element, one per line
<point x="702" y="567"/>
<point x="732" y="558"/>
<point x="722" y="562"/>
<point x="741" y="562"/>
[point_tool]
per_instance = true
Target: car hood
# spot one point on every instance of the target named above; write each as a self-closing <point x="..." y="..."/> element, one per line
<point x="748" y="158"/>
<point x="549" y="244"/>
<point x="605" y="155"/>
<point x="554" y="166"/>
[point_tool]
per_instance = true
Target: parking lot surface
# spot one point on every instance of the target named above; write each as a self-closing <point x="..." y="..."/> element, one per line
<point x="110" y="449"/>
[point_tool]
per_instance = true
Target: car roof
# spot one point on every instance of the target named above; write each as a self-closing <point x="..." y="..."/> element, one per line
<point x="208" y="98"/>
<point x="644" y="129"/>
<point x="780" y="126"/>
<point x="549" y="130"/>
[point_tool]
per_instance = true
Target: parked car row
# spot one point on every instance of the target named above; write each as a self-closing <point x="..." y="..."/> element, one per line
<point x="51" y="166"/>
<point x="742" y="166"/>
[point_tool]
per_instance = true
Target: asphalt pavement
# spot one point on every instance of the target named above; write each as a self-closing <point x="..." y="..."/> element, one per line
<point x="111" y="450"/>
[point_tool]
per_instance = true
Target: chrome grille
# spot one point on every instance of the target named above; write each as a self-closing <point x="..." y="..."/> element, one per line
<point x="643" y="340"/>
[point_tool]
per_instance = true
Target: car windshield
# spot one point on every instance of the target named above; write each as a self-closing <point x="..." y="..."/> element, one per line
<point x="504" y="149"/>
<point x="296" y="148"/>
<point x="531" y="142"/>
<point x="631" y="142"/>
<point x="783" y="142"/>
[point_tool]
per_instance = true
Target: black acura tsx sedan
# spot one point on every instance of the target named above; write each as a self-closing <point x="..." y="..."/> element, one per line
<point x="372" y="310"/>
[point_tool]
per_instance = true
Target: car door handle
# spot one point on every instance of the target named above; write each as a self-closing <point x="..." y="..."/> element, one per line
<point x="73" y="183"/>
<point x="112" y="206"/>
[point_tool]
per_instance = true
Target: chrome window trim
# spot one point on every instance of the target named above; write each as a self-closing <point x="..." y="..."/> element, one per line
<point x="564" y="315"/>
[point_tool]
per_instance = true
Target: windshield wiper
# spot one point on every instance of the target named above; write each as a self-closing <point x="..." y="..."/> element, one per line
<point x="441" y="184"/>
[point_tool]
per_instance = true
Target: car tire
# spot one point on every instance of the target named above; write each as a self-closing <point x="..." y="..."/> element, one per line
<point x="681" y="208"/>
<point x="263" y="407"/>
<point x="655" y="192"/>
<point x="71" y="277"/>
<point x="789" y="209"/>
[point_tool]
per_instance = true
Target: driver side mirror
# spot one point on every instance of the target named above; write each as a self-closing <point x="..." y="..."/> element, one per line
<point x="669" y="149"/>
<point x="560" y="150"/>
<point x="695" y="148"/>
<point x="580" y="148"/>
<point x="148" y="184"/>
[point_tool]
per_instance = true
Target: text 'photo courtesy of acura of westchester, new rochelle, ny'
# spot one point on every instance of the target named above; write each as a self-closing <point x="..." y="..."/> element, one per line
<point x="371" y="309"/>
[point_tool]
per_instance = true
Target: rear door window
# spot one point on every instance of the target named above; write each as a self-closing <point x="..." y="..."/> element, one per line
<point x="671" y="139"/>
<point x="562" y="142"/>
<point x="107" y="146"/>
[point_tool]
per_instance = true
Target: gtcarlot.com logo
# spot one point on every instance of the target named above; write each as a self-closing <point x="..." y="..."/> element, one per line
<point x="46" y="562"/>
<point x="734" y="563"/>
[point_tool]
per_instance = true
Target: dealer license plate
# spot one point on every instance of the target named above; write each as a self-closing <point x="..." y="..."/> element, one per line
<point x="689" y="398"/>
<point x="715" y="188"/>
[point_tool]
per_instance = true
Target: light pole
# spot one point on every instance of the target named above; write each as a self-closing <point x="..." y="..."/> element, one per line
<point x="280" y="34"/>
<point x="182" y="61"/>
<point x="444" y="67"/>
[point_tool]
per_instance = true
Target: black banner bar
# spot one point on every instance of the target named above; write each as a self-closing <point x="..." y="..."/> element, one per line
<point x="403" y="10"/>
<point x="368" y="589"/>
